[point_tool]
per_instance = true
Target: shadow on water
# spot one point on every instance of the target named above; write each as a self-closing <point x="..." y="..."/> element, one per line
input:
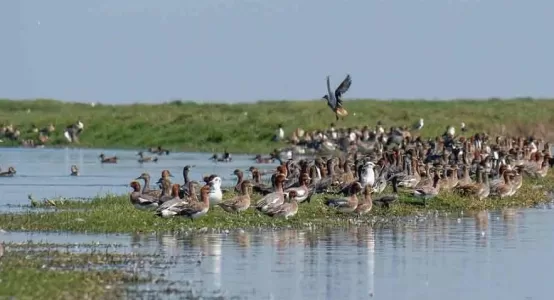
<point x="428" y="260"/>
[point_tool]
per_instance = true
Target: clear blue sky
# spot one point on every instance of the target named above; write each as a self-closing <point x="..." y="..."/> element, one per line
<point x="121" y="51"/>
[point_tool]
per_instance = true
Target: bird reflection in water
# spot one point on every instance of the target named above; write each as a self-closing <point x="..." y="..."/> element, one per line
<point x="509" y="216"/>
<point x="481" y="227"/>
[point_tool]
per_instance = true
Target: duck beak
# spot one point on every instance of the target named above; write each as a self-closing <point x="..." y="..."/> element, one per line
<point x="159" y="181"/>
<point x="169" y="174"/>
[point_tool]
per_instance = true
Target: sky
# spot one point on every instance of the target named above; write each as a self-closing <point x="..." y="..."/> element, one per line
<point x="128" y="51"/>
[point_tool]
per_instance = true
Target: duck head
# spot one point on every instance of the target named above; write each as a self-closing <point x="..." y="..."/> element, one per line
<point x="216" y="182"/>
<point x="166" y="173"/>
<point x="355" y="188"/>
<point x="143" y="176"/>
<point x="135" y="185"/>
<point x="245" y="186"/>
<point x="237" y="173"/>
<point x="292" y="194"/>
<point x="175" y="189"/>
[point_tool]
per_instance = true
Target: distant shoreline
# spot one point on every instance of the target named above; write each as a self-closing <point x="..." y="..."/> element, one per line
<point x="248" y="127"/>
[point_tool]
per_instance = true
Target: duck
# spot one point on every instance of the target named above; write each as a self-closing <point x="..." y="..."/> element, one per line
<point x="346" y="204"/>
<point x="74" y="170"/>
<point x="479" y="189"/>
<point x="141" y="201"/>
<point x="258" y="186"/>
<point x="503" y="189"/>
<point x="215" y="195"/>
<point x="184" y="190"/>
<point x="194" y="210"/>
<point x="146" y="189"/>
<point x="158" y="150"/>
<point x="366" y="173"/>
<point x="386" y="200"/>
<point x="302" y="192"/>
<point x="273" y="199"/>
<point x="143" y="159"/>
<point x="107" y="160"/>
<point x="263" y="160"/>
<point x="429" y="191"/>
<point x="334" y="100"/>
<point x="240" y="179"/>
<point x="9" y="173"/>
<point x="171" y="207"/>
<point x="366" y="205"/>
<point x="226" y="157"/>
<point x="167" y="190"/>
<point x="240" y="202"/>
<point x="287" y="209"/>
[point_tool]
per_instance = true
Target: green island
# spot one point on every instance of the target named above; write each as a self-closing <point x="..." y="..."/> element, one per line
<point x="115" y="214"/>
<point x="248" y="128"/>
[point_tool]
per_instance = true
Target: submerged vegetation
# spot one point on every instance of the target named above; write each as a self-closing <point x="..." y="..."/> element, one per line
<point x="115" y="214"/>
<point x="55" y="274"/>
<point x="248" y="128"/>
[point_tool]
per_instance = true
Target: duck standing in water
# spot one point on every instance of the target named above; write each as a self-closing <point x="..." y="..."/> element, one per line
<point x="11" y="171"/>
<point x="74" y="170"/>
<point x="215" y="195"/>
<point x="143" y="159"/>
<point x="334" y="100"/>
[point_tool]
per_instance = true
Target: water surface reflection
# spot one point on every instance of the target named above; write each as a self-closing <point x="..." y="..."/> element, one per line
<point x="483" y="255"/>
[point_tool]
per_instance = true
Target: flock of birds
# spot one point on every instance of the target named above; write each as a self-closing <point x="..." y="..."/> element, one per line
<point x="476" y="168"/>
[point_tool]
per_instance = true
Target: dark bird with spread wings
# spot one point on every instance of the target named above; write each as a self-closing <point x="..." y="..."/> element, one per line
<point x="334" y="100"/>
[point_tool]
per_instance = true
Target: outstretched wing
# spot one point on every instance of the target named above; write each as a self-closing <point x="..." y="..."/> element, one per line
<point x="331" y="100"/>
<point x="343" y="88"/>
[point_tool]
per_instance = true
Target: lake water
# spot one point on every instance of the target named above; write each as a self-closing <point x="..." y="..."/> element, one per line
<point x="45" y="172"/>
<point x="504" y="254"/>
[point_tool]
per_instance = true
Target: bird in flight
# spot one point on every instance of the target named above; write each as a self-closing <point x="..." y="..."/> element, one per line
<point x="334" y="100"/>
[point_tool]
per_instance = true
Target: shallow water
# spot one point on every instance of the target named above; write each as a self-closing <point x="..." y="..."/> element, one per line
<point x="486" y="255"/>
<point x="45" y="172"/>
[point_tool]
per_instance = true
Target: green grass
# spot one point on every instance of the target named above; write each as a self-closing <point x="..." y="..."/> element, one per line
<point x="114" y="214"/>
<point x="248" y="128"/>
<point x="29" y="274"/>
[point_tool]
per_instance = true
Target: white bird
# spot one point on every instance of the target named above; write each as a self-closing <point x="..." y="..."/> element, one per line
<point x="451" y="131"/>
<point x="366" y="174"/>
<point x="419" y="125"/>
<point x="215" y="194"/>
<point x="463" y="127"/>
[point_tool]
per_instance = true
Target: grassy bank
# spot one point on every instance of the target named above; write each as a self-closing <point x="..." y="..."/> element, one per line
<point x="27" y="273"/>
<point x="116" y="215"/>
<point x="248" y="128"/>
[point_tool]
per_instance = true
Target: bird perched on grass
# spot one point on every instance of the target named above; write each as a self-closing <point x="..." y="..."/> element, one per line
<point x="334" y="100"/>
